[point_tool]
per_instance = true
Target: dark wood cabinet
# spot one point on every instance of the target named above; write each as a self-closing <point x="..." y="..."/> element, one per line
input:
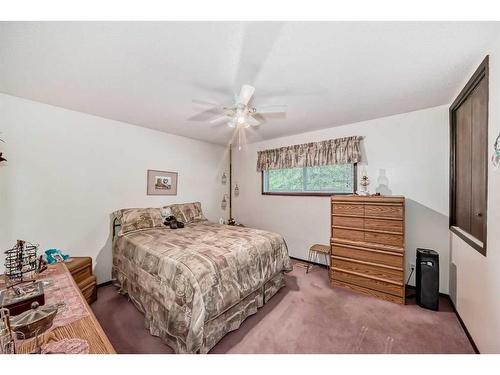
<point x="479" y="163"/>
<point x="469" y="161"/>
<point x="463" y="170"/>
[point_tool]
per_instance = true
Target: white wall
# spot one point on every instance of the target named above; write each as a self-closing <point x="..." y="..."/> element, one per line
<point x="475" y="279"/>
<point x="412" y="148"/>
<point x="68" y="171"/>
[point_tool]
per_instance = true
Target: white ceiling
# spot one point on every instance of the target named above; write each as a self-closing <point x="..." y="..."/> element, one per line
<point x="327" y="73"/>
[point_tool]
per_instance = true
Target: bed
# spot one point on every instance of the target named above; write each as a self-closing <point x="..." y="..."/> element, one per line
<point x="195" y="284"/>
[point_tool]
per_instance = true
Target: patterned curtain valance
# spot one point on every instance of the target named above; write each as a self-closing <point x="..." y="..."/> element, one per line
<point x="333" y="151"/>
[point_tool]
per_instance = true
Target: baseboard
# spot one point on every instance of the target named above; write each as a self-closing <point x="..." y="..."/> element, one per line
<point x="310" y="262"/>
<point x="464" y="327"/>
<point x="474" y="346"/>
<point x="412" y="287"/>
<point x="106" y="283"/>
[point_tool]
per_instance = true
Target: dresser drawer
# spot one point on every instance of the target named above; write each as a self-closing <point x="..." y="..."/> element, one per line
<point x="88" y="288"/>
<point x="348" y="234"/>
<point x="82" y="274"/>
<point x="348" y="209"/>
<point x="384" y="225"/>
<point x="347" y="221"/>
<point x="80" y="268"/>
<point x="376" y="210"/>
<point x="384" y="238"/>
<point x="381" y="286"/>
<point x="367" y="291"/>
<point x="369" y="255"/>
<point x="389" y="274"/>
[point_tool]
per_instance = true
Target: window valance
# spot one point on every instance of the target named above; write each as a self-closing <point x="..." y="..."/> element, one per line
<point x="332" y="151"/>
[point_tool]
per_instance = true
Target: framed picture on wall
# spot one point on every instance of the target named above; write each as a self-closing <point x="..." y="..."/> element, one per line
<point x="161" y="182"/>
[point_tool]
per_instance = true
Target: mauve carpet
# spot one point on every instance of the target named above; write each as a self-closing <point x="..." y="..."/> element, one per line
<point x="307" y="316"/>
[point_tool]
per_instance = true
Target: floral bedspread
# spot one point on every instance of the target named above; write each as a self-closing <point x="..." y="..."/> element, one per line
<point x="183" y="278"/>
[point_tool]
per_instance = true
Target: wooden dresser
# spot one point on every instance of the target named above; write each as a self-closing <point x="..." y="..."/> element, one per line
<point x="368" y="245"/>
<point x="81" y="270"/>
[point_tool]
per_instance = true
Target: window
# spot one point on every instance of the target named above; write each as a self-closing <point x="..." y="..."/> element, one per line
<point x="469" y="160"/>
<point x="322" y="180"/>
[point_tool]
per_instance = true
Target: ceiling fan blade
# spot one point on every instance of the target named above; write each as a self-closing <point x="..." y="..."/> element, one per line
<point x="206" y="115"/>
<point x="253" y="121"/>
<point x="259" y="118"/>
<point x="208" y="110"/>
<point x="219" y="119"/>
<point x="246" y="94"/>
<point x="271" y="109"/>
<point x="205" y="103"/>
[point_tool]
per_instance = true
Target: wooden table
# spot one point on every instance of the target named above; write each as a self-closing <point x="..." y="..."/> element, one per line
<point x="87" y="328"/>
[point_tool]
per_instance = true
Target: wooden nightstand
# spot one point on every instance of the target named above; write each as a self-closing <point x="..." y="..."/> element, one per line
<point x="81" y="270"/>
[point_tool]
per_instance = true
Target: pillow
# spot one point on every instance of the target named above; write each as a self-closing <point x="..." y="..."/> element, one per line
<point x="187" y="212"/>
<point x="134" y="219"/>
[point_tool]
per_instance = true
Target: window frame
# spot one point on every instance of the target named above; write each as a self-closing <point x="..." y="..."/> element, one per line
<point x="482" y="72"/>
<point x="313" y="194"/>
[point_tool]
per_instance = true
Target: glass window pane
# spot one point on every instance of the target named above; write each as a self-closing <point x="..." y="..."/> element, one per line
<point x="324" y="179"/>
<point x="330" y="178"/>
<point x="286" y="179"/>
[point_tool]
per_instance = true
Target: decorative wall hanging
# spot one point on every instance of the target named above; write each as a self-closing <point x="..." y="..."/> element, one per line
<point x="161" y="182"/>
<point x="224" y="202"/>
<point x="495" y="158"/>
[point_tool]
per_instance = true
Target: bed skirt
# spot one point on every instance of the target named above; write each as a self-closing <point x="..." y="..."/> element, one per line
<point x="214" y="329"/>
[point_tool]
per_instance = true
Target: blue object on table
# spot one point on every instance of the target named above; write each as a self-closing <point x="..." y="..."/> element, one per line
<point x="55" y="256"/>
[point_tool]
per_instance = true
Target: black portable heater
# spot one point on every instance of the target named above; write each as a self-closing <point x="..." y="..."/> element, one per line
<point x="427" y="279"/>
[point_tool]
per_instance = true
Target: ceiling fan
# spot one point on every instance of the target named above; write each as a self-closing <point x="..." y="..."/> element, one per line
<point x="241" y="114"/>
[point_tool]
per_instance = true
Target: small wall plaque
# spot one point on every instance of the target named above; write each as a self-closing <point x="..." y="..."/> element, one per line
<point x="161" y="182"/>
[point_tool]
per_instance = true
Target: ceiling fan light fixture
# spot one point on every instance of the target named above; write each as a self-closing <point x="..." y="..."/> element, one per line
<point x="240" y="116"/>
